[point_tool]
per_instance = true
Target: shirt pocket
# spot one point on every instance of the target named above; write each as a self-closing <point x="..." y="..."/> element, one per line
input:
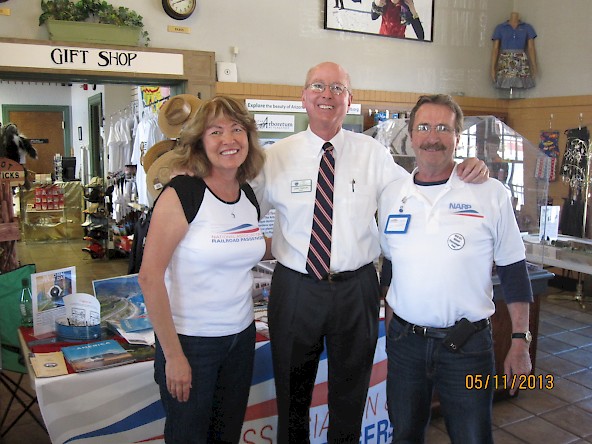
<point x="355" y="196"/>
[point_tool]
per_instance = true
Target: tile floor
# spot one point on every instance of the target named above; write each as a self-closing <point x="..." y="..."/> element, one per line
<point x="560" y="415"/>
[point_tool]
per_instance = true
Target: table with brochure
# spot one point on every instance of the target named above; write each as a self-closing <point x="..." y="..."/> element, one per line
<point x="121" y="404"/>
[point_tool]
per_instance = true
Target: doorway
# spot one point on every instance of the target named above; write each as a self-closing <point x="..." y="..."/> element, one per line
<point x="96" y="145"/>
<point x="48" y="127"/>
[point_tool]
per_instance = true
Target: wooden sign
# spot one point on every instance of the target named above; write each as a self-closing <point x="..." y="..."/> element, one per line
<point x="11" y="171"/>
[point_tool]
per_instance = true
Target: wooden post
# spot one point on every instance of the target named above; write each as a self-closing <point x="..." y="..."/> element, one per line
<point x="11" y="174"/>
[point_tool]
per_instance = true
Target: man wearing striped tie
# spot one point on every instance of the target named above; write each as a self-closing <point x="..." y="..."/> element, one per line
<point x="325" y="183"/>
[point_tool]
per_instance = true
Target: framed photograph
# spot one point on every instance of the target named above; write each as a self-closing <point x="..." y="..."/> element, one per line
<point x="402" y="19"/>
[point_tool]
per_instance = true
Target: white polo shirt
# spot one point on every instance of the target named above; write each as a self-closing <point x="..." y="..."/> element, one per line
<point x="363" y="168"/>
<point x="442" y="259"/>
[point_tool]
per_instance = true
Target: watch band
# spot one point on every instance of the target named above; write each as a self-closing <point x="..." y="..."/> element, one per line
<point x="518" y="335"/>
<point x="525" y="336"/>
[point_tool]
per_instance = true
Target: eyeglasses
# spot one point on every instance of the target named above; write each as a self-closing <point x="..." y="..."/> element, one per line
<point x="335" y="88"/>
<point x="440" y="128"/>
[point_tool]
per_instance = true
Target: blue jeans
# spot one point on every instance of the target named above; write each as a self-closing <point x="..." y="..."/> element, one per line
<point x="417" y="365"/>
<point x="222" y="368"/>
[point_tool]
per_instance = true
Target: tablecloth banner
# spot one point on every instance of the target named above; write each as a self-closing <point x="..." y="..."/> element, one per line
<point x="122" y="404"/>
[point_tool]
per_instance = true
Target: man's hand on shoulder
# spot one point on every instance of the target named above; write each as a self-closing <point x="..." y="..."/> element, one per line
<point x="473" y="170"/>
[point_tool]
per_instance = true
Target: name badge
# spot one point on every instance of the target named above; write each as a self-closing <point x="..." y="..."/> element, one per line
<point x="301" y="186"/>
<point x="397" y="224"/>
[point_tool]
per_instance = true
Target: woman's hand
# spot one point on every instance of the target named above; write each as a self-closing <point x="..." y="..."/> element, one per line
<point x="178" y="378"/>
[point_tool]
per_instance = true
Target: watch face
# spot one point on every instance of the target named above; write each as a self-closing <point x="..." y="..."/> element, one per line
<point x="528" y="337"/>
<point x="179" y="9"/>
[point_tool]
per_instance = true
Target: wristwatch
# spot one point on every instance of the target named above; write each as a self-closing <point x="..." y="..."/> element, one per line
<point x="526" y="336"/>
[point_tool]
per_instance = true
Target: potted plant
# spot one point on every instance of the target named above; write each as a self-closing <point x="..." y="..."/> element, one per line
<point x="101" y="22"/>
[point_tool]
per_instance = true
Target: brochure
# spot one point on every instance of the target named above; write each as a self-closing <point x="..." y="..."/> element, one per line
<point x="136" y="324"/>
<point x="96" y="355"/>
<point x="49" y="364"/>
<point x="140" y="337"/>
<point x="48" y="289"/>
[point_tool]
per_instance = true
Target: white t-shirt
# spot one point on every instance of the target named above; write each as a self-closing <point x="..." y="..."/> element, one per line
<point x="209" y="278"/>
<point x="442" y="262"/>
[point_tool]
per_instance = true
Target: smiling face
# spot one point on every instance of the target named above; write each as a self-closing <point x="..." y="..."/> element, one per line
<point x="434" y="139"/>
<point x="226" y="144"/>
<point x="326" y="110"/>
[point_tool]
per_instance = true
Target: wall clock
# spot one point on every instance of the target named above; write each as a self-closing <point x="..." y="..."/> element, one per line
<point x="179" y="9"/>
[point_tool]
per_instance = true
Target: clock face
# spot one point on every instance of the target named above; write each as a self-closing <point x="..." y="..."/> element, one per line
<point x="179" y="9"/>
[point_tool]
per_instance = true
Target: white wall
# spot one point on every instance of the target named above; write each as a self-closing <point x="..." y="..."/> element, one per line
<point x="279" y="39"/>
<point x="14" y="92"/>
<point x="80" y="116"/>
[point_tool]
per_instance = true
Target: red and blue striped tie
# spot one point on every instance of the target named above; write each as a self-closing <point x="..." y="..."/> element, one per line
<point x="319" y="252"/>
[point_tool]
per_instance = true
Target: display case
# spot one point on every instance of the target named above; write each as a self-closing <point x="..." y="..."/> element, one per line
<point x="51" y="212"/>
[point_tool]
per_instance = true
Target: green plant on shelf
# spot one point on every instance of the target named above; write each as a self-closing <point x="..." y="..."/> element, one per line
<point x="94" y="11"/>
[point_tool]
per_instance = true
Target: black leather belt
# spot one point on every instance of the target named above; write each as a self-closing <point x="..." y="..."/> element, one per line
<point x="433" y="332"/>
<point x="341" y="276"/>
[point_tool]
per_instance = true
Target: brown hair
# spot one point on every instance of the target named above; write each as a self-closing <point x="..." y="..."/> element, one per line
<point x="439" y="99"/>
<point x="193" y="158"/>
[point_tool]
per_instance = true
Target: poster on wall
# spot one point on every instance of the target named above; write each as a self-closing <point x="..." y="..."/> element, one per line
<point x="403" y="19"/>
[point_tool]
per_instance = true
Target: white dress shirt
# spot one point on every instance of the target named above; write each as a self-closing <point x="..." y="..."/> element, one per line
<point x="363" y="168"/>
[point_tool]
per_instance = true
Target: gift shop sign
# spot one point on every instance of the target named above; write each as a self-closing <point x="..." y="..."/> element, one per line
<point x="90" y="59"/>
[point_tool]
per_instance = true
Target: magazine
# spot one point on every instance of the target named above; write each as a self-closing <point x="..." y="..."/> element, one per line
<point x="123" y="309"/>
<point x="96" y="355"/>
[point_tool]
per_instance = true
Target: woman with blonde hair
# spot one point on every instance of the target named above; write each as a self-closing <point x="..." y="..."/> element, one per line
<point x="196" y="275"/>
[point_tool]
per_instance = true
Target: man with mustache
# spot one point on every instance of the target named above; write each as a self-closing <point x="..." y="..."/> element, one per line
<point x="443" y="235"/>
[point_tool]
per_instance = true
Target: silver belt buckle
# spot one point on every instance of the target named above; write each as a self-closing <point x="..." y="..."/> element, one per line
<point x="418" y="329"/>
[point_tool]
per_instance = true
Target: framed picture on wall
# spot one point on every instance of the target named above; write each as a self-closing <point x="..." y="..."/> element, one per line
<point x="403" y="19"/>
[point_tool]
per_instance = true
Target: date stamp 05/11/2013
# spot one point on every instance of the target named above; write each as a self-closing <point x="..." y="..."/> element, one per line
<point x="502" y="382"/>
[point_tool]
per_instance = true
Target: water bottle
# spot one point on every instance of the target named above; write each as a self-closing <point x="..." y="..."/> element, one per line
<point x="26" y="305"/>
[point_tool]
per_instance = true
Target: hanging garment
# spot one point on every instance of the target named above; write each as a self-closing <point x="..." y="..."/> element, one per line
<point x="545" y="168"/>
<point x="575" y="158"/>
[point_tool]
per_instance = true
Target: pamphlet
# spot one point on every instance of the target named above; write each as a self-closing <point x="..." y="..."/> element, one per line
<point x="139" y="337"/>
<point x="136" y="324"/>
<point x="48" y="289"/>
<point x="96" y="355"/>
<point x="49" y="364"/>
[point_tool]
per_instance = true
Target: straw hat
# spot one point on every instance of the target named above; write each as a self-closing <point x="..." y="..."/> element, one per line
<point x="155" y="151"/>
<point x="175" y="112"/>
<point x="160" y="173"/>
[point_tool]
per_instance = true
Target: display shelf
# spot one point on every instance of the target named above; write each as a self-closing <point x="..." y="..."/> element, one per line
<point x="567" y="252"/>
<point x="60" y="223"/>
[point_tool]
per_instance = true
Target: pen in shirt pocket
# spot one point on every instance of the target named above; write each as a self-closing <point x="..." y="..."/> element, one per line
<point x="353" y="182"/>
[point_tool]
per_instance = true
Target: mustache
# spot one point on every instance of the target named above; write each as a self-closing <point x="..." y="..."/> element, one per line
<point x="438" y="146"/>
